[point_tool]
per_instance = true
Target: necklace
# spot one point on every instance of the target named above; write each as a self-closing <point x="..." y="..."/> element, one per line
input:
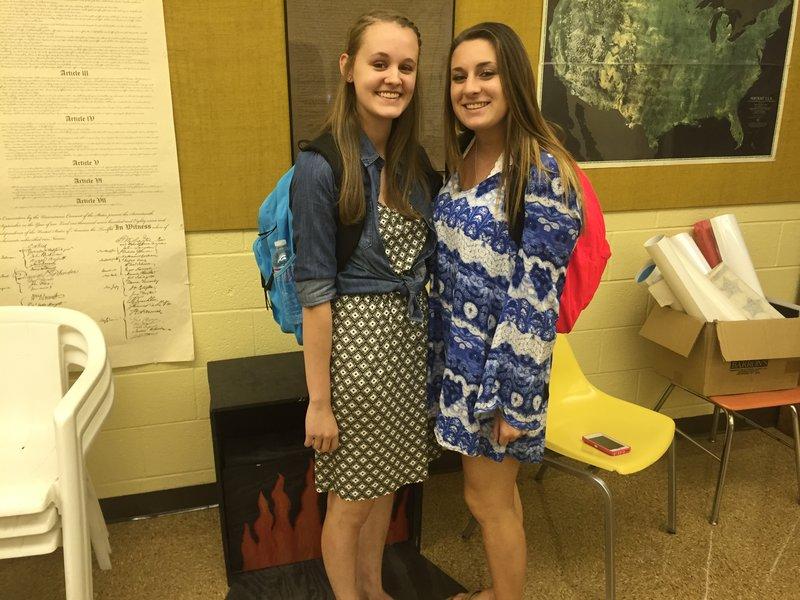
<point x="475" y="162"/>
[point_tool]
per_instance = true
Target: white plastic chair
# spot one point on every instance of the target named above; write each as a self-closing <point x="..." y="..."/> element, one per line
<point x="46" y="428"/>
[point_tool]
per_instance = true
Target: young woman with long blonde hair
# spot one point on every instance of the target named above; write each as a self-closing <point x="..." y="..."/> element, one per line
<point x="365" y="321"/>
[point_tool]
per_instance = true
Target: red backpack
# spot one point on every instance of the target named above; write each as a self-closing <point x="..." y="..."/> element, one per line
<point x="588" y="260"/>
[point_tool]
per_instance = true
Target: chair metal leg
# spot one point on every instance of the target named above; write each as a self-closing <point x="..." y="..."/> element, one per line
<point x="609" y="541"/>
<point x="469" y="530"/>
<point x="723" y="467"/>
<point x="796" y="427"/>
<point x="540" y="473"/>
<point x="672" y="491"/>
<point x="609" y="516"/>
<point x="714" y="425"/>
<point x="664" y="395"/>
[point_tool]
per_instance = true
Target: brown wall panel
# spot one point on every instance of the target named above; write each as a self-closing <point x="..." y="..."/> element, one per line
<point x="316" y="43"/>
<point x="230" y="94"/>
<point x="670" y="186"/>
<point x="227" y="64"/>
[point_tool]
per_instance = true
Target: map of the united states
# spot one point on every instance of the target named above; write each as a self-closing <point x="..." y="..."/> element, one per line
<point x="662" y="63"/>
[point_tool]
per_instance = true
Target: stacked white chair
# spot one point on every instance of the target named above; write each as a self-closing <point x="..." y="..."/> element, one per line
<point x="47" y="424"/>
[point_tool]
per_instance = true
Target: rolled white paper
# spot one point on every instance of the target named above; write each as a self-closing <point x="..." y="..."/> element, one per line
<point x="741" y="294"/>
<point x="696" y="293"/>
<point x="733" y="250"/>
<point x="686" y="245"/>
<point x="650" y="276"/>
<point x="662" y="294"/>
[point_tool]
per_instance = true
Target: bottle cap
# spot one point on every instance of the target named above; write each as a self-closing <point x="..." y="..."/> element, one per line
<point x="280" y="243"/>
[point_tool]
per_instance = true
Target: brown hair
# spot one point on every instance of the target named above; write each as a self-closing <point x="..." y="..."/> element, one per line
<point x="403" y="145"/>
<point x="528" y="133"/>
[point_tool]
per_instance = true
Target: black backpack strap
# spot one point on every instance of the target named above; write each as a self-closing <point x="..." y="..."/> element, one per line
<point x="464" y="140"/>
<point x="326" y="146"/>
<point x="347" y="236"/>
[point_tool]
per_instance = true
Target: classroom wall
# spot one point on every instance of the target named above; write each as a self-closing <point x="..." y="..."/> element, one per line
<point x="158" y="436"/>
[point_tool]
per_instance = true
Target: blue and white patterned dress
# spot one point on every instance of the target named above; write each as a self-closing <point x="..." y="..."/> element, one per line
<point x="493" y="311"/>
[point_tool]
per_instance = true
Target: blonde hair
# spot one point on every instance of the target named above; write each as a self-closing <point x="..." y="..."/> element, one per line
<point x="528" y="133"/>
<point x="402" y="147"/>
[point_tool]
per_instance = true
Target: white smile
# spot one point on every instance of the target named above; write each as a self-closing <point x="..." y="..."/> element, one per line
<point x="475" y="105"/>
<point x="389" y="95"/>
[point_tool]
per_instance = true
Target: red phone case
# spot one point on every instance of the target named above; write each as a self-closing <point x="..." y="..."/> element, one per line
<point x="605" y="450"/>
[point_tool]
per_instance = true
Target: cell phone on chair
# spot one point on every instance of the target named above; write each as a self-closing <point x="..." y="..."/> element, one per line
<point x="606" y="444"/>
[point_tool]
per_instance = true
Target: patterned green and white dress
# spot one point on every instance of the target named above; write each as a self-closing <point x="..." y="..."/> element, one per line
<point x="378" y="374"/>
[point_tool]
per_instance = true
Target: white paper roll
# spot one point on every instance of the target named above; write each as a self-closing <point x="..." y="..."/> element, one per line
<point x="694" y="290"/>
<point x="685" y="244"/>
<point x="741" y="294"/>
<point x="733" y="250"/>
<point x="650" y="276"/>
<point x="662" y="294"/>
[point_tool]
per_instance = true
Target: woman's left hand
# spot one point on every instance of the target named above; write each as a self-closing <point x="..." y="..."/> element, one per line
<point x="503" y="432"/>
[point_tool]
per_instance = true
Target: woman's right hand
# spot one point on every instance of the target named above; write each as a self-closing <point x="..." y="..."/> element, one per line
<point x="322" y="432"/>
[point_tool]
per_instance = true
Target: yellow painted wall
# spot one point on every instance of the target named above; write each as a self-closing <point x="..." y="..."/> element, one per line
<point x="157" y="435"/>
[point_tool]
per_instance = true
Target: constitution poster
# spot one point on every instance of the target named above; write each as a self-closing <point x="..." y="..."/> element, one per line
<point x="637" y="81"/>
<point x="90" y="205"/>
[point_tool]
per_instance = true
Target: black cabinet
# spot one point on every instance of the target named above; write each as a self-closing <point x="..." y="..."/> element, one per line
<point x="270" y="512"/>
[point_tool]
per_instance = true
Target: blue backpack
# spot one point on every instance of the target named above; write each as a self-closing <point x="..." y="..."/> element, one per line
<point x="275" y="223"/>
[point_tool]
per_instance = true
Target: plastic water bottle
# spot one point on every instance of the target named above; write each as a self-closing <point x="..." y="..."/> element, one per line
<point x="280" y="256"/>
<point x="284" y="281"/>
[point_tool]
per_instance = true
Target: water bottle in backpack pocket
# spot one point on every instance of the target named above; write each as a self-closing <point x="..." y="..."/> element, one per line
<point x="288" y="311"/>
<point x="274" y="254"/>
<point x="274" y="246"/>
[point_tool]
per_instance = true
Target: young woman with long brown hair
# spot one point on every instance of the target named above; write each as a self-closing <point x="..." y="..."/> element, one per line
<point x="365" y="322"/>
<point x="507" y="221"/>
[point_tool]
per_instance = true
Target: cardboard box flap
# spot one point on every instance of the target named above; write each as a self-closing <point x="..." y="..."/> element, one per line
<point x="671" y="329"/>
<point x="762" y="339"/>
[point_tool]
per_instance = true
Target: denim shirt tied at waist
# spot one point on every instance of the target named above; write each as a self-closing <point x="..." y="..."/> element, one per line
<point x="314" y="202"/>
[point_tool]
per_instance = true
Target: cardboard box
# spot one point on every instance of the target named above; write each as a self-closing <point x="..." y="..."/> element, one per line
<point x="725" y="357"/>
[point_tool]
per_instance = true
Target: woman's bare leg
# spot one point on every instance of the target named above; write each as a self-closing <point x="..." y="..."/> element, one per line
<point x="371" y="543"/>
<point x="344" y="520"/>
<point x="518" y="503"/>
<point x="490" y="490"/>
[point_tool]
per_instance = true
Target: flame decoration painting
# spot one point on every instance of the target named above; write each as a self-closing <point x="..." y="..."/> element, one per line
<point x="275" y="538"/>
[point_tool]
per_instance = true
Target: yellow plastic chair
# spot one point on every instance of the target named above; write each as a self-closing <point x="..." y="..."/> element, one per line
<point x="577" y="408"/>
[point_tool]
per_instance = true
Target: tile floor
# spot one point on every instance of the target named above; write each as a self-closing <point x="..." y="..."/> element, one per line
<point x="754" y="552"/>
